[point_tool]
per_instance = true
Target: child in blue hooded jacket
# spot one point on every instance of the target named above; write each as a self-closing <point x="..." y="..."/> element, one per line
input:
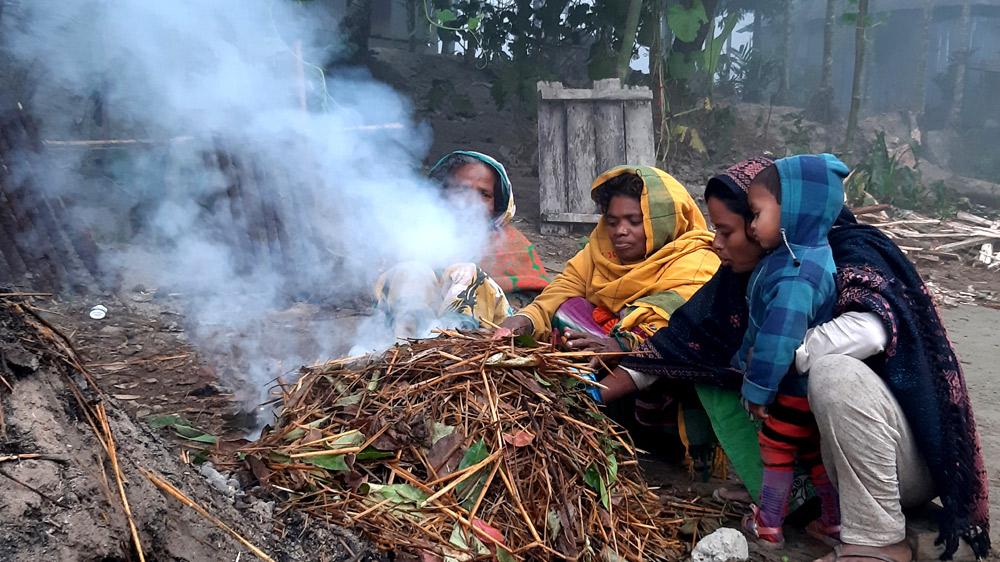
<point x="794" y="204"/>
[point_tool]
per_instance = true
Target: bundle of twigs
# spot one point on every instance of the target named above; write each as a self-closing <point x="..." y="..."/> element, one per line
<point x="464" y="447"/>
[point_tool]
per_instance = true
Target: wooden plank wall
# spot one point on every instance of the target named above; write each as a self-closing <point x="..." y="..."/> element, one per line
<point x="581" y="133"/>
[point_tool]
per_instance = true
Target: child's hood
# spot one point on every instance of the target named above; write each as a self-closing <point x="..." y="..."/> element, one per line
<point x="812" y="195"/>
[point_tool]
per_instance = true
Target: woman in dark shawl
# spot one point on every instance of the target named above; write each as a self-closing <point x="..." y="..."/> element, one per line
<point x="895" y="419"/>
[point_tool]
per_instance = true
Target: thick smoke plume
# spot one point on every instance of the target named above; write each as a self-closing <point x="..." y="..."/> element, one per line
<point x="218" y="86"/>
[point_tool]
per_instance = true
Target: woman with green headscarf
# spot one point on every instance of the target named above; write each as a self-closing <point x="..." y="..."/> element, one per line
<point x="511" y="259"/>
<point x="469" y="294"/>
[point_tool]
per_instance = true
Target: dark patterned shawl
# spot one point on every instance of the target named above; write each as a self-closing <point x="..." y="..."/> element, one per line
<point x="919" y="365"/>
<point x="702" y="337"/>
<point x="921" y="369"/>
<point x="707" y="330"/>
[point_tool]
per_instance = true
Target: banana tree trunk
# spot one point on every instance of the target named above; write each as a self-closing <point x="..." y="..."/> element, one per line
<point x="859" y="66"/>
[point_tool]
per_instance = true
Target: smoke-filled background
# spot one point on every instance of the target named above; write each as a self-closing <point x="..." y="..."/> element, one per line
<point x="265" y="182"/>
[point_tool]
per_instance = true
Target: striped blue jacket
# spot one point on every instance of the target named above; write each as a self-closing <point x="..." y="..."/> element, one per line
<point x="792" y="288"/>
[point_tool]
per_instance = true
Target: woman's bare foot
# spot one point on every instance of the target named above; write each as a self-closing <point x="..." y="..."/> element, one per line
<point x="899" y="552"/>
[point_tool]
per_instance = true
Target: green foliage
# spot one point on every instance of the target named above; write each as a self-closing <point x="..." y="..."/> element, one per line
<point x="182" y="428"/>
<point x="334" y="462"/>
<point x="684" y="22"/>
<point x="602" y="479"/>
<point x="469" y="489"/>
<point x="525" y="340"/>
<point x="404" y="496"/>
<point x="681" y="66"/>
<point x="697" y="65"/>
<point x="460" y="22"/>
<point x="885" y="177"/>
<point x="690" y="137"/>
<point x="524" y="42"/>
<point x="444" y="17"/>
<point x="712" y="53"/>
<point x="705" y="133"/>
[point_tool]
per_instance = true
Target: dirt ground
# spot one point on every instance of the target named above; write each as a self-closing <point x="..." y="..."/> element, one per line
<point x="64" y="503"/>
<point x="973" y="331"/>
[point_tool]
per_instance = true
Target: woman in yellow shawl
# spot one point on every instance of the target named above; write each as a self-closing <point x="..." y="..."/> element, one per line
<point x="648" y="254"/>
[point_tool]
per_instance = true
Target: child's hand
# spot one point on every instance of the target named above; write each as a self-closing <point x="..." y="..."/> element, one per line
<point x="758" y="411"/>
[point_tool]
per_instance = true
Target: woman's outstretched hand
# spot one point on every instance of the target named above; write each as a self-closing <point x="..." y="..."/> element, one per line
<point x="617" y="385"/>
<point x="570" y="340"/>
<point x="513" y="326"/>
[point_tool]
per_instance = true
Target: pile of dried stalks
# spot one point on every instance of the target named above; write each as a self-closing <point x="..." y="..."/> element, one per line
<point x="464" y="447"/>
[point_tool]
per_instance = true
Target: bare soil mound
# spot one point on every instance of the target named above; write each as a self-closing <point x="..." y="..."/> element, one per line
<point x="60" y="498"/>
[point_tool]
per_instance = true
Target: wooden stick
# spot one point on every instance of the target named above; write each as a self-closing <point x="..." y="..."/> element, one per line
<point x="109" y="438"/>
<point x="457" y="517"/>
<point x="179" y="496"/>
<point x="520" y="506"/>
<point x="30" y="456"/>
<point x="975" y="219"/>
<point x="371" y="509"/>
<point x="40" y="493"/>
<point x="345" y="451"/>
<point x="588" y="353"/>
<point x="961" y="244"/>
<point x="449" y="356"/>
<point x="905" y="222"/>
<point x="329" y="438"/>
<point x="482" y="493"/>
<point x="583" y="379"/>
<point x="102" y="144"/>
<point x="870" y="209"/>
<point x="468" y="472"/>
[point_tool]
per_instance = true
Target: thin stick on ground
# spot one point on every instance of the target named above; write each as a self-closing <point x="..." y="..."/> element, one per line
<point x="32" y="456"/>
<point x="109" y="440"/>
<point x="27" y="486"/>
<point x="179" y="496"/>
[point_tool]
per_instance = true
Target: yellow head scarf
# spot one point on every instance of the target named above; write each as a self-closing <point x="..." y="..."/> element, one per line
<point x="679" y="260"/>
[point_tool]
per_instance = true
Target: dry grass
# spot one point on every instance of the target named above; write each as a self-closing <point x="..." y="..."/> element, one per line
<point x="463" y="446"/>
